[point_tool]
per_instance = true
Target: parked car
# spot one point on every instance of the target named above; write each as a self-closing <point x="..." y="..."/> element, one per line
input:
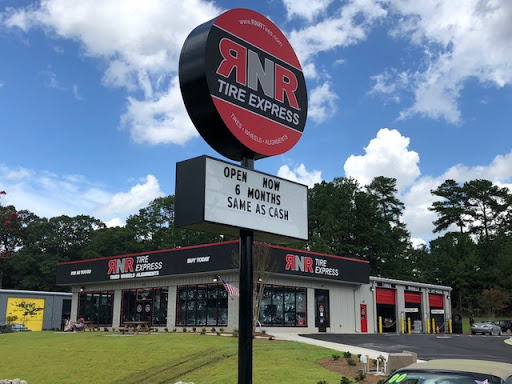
<point x="19" y="328"/>
<point x="505" y="325"/>
<point x="484" y="327"/>
<point x="453" y="371"/>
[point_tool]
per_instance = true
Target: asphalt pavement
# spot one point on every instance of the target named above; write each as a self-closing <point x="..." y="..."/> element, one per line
<point x="426" y="346"/>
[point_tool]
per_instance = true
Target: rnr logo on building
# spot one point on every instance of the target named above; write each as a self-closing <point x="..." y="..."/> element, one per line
<point x="124" y="265"/>
<point x="299" y="263"/>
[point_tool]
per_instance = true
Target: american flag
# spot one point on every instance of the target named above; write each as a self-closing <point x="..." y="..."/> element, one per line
<point x="232" y="290"/>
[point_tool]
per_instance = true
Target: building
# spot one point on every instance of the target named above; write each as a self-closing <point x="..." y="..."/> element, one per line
<point x="307" y="292"/>
<point x="47" y="309"/>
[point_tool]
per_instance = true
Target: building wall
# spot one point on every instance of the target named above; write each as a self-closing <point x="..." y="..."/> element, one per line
<point x="53" y="302"/>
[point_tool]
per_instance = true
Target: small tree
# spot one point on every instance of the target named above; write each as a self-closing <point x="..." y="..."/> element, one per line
<point x="263" y="268"/>
<point x="492" y="301"/>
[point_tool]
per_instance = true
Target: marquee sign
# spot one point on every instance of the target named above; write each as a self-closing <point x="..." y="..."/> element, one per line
<point x="220" y="197"/>
<point x="243" y="86"/>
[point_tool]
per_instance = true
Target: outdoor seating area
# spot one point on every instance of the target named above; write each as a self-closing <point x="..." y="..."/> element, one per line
<point x="135" y="327"/>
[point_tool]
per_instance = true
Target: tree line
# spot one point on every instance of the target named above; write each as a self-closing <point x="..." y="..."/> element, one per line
<point x="472" y="253"/>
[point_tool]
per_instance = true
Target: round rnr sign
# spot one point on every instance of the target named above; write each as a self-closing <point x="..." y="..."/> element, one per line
<point x="243" y="86"/>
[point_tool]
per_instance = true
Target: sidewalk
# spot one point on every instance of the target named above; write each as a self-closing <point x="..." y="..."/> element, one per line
<point x="372" y="354"/>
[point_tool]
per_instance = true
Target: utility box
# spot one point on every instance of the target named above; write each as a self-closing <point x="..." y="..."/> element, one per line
<point x="400" y="360"/>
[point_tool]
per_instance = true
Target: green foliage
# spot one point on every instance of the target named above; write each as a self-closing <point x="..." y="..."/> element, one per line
<point x="184" y="330"/>
<point x="345" y="380"/>
<point x="351" y="362"/>
<point x="347" y="355"/>
<point x="360" y="377"/>
<point x="335" y="357"/>
<point x="322" y="382"/>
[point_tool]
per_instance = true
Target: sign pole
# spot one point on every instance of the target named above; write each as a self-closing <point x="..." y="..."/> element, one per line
<point x="245" y="310"/>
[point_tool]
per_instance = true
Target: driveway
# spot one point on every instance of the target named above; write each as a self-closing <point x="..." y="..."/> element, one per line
<point x="428" y="346"/>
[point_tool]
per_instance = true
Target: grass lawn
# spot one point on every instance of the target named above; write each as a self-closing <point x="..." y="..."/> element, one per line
<point x="106" y="357"/>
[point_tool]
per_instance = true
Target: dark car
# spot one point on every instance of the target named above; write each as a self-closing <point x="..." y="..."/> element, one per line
<point x="452" y="371"/>
<point x="505" y="325"/>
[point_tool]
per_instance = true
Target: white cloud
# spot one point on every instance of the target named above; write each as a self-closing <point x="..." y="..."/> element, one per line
<point x="48" y="195"/>
<point x="307" y="9"/>
<point x="300" y="175"/>
<point x="386" y="155"/>
<point x="348" y="26"/>
<point x="161" y="119"/>
<point x="76" y="93"/>
<point x="322" y="103"/>
<point x="125" y="203"/>
<point x="139" y="41"/>
<point x="448" y="32"/>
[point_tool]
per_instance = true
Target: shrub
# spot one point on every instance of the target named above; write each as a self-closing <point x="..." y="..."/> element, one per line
<point x="347" y="355"/>
<point x="335" y="357"/>
<point x="174" y="329"/>
<point x="345" y="380"/>
<point x="271" y="338"/>
<point x="166" y="329"/>
<point x="194" y="329"/>
<point x="184" y="330"/>
<point x="322" y="382"/>
<point x="221" y="329"/>
<point x="105" y="329"/>
<point x="360" y="377"/>
<point x="203" y="330"/>
<point x="213" y="330"/>
<point x="351" y="362"/>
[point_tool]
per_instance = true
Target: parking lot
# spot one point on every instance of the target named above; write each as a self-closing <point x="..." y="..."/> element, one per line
<point x="428" y="346"/>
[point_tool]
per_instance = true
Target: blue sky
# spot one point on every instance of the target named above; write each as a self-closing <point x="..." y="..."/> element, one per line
<point x="92" y="121"/>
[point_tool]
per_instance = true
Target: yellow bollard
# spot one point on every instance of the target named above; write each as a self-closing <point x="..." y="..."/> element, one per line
<point x="450" y="325"/>
<point x="380" y="324"/>
<point x="402" y="324"/>
<point x="428" y="325"/>
<point x="409" y="325"/>
<point x="433" y="325"/>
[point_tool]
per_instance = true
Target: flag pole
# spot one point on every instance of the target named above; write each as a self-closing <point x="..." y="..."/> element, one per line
<point x="245" y="310"/>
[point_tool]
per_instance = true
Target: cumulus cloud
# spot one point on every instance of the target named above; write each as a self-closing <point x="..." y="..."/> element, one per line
<point x="386" y="155"/>
<point x="300" y="175"/>
<point x="306" y="9"/>
<point x="160" y="119"/>
<point x="448" y="32"/>
<point x="48" y="194"/>
<point x="140" y="44"/>
<point x="349" y="25"/>
<point x="322" y="103"/>
<point x="130" y="202"/>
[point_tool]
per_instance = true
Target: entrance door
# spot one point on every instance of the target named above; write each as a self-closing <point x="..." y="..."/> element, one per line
<point x="364" y="321"/>
<point x="322" y="309"/>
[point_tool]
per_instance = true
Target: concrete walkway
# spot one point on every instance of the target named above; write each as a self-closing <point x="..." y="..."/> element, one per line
<point x="372" y="354"/>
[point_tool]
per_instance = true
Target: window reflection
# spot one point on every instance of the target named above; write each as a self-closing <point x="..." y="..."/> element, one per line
<point x="205" y="305"/>
<point x="283" y="306"/>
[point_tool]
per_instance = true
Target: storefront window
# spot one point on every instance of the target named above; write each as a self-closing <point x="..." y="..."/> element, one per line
<point x="145" y="305"/>
<point x="202" y="305"/>
<point x="96" y="307"/>
<point x="283" y="306"/>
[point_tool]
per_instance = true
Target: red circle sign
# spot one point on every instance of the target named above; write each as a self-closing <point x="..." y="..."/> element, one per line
<point x="243" y="86"/>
